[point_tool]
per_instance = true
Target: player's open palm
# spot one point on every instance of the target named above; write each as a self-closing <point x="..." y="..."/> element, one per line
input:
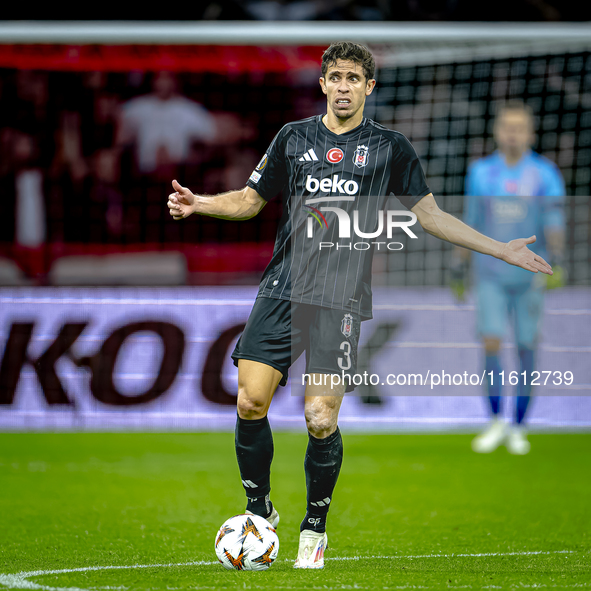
<point x="181" y="203"/>
<point x="517" y="253"/>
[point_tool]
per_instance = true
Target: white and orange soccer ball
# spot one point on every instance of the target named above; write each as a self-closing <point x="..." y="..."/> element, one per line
<point x="246" y="542"/>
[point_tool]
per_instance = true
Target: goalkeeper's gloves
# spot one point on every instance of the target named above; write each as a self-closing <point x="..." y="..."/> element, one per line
<point x="558" y="279"/>
<point x="458" y="281"/>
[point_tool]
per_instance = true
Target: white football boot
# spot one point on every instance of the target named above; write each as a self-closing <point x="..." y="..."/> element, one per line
<point x="516" y="441"/>
<point x="493" y="436"/>
<point x="311" y="549"/>
<point x="273" y="519"/>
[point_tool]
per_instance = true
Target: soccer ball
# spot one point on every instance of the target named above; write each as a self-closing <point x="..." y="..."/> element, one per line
<point x="246" y="542"/>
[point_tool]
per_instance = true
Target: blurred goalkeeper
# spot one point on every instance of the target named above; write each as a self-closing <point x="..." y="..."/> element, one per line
<point x="512" y="192"/>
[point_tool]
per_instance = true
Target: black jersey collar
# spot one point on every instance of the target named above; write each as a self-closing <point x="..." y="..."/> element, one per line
<point x="335" y="137"/>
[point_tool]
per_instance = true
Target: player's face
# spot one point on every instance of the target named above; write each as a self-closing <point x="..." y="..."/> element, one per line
<point x="514" y="131"/>
<point x="346" y="88"/>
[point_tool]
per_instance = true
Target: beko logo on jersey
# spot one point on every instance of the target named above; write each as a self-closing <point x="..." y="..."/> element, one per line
<point x="331" y="185"/>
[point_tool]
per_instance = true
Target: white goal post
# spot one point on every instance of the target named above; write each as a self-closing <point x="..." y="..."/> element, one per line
<point x="394" y="43"/>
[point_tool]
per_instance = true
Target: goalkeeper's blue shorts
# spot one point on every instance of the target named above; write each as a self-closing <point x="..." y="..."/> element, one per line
<point x="498" y="306"/>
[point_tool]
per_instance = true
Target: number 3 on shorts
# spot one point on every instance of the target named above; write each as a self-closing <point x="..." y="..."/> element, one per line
<point x="345" y="362"/>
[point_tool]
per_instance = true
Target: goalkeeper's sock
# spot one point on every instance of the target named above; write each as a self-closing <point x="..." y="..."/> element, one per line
<point x="521" y="405"/>
<point x="322" y="466"/>
<point x="493" y="382"/>
<point x="526" y="363"/>
<point x="254" y="452"/>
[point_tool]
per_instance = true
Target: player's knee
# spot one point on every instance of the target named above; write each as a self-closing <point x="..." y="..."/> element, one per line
<point x="320" y="422"/>
<point x="250" y="407"/>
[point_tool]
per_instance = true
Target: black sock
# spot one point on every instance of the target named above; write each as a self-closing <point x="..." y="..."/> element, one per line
<point x="254" y="451"/>
<point x="322" y="466"/>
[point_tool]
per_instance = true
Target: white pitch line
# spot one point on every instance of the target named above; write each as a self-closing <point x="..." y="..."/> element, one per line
<point x="452" y="555"/>
<point x="20" y="580"/>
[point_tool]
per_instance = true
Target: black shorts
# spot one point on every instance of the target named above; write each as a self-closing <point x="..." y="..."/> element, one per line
<point x="279" y="331"/>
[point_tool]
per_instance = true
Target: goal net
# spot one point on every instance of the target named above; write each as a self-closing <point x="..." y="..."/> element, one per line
<point x="445" y="101"/>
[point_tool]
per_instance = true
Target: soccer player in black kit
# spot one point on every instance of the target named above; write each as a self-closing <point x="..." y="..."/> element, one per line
<point x="317" y="289"/>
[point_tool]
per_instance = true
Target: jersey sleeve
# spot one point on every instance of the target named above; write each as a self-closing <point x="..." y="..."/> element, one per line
<point x="271" y="175"/>
<point x="554" y="183"/>
<point x="407" y="179"/>
<point x="554" y="193"/>
<point x="471" y="181"/>
<point x="554" y="215"/>
<point x="473" y="199"/>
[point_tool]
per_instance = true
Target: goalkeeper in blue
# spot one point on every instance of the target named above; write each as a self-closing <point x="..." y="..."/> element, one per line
<point x="513" y="192"/>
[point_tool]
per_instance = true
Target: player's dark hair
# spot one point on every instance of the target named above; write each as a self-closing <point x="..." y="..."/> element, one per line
<point x="355" y="52"/>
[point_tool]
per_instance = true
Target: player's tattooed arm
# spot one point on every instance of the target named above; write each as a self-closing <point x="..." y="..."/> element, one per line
<point x="446" y="227"/>
<point x="233" y="205"/>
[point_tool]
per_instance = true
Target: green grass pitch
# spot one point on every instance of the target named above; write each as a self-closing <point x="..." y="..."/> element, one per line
<point x="135" y="511"/>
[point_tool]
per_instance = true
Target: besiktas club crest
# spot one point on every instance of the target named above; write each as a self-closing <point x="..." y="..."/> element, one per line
<point x="347" y="325"/>
<point x="361" y="156"/>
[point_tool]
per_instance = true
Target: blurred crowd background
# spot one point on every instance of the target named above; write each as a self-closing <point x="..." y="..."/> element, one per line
<point x="337" y="10"/>
<point x="87" y="155"/>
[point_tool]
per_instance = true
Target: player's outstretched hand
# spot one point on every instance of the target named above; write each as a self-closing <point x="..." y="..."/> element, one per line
<point x="517" y="253"/>
<point x="181" y="203"/>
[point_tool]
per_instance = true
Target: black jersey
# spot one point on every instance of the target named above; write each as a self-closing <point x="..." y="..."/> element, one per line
<point x="334" y="190"/>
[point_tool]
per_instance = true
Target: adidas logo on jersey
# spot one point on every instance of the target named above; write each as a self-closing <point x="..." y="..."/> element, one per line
<point x="309" y="156"/>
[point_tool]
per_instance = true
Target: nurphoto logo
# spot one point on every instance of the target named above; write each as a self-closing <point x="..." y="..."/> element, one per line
<point x="347" y="228"/>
